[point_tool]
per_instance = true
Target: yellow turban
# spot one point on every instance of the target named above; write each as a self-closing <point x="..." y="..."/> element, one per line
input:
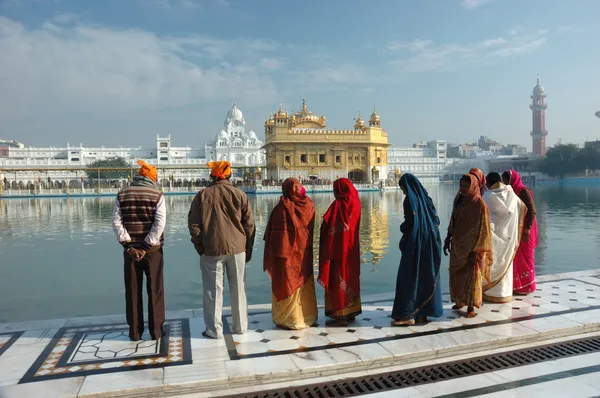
<point x="220" y="170"/>
<point x="148" y="171"/>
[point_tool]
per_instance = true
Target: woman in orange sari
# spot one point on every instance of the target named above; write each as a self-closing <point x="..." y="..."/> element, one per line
<point x="469" y="242"/>
<point x="289" y="258"/>
<point x="339" y="255"/>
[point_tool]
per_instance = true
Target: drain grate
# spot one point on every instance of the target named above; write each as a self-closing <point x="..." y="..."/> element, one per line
<point x="434" y="373"/>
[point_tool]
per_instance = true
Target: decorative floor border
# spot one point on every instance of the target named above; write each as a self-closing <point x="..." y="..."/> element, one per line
<point x="14" y="337"/>
<point x="59" y="358"/>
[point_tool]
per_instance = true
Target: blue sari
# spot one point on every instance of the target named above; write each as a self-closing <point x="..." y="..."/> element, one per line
<point x="418" y="292"/>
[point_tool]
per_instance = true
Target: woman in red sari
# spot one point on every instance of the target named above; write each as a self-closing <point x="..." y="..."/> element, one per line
<point x="339" y="255"/>
<point x="524" y="262"/>
<point x="289" y="258"/>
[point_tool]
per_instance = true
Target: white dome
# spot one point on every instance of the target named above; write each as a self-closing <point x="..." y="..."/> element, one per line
<point x="538" y="90"/>
<point x="222" y="134"/>
<point x="234" y="114"/>
<point x="252" y="135"/>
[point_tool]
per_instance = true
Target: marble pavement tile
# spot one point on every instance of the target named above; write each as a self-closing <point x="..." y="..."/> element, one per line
<point x="36" y="337"/>
<point x="584" y="317"/>
<point x="138" y="380"/>
<point x="208" y="355"/>
<point x="252" y="348"/>
<point x="96" y="320"/>
<point x="575" y="362"/>
<point x="260" y="368"/>
<point x="248" y="337"/>
<point x="283" y="345"/>
<point x="198" y="373"/>
<point x="367" y="352"/>
<point x="341" y="338"/>
<point x="15" y="362"/>
<point x="550" y="323"/>
<point x="314" y="360"/>
<point x="509" y="330"/>
<point x="408" y="392"/>
<point x="557" y="388"/>
<point x="591" y="379"/>
<point x="456" y="386"/>
<point x="65" y="388"/>
<point x="32" y="325"/>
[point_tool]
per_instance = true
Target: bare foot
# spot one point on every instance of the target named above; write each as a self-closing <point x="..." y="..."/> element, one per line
<point x="408" y="322"/>
<point x="456" y="307"/>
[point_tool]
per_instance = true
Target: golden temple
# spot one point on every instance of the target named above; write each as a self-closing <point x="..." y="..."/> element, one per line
<point x="300" y="145"/>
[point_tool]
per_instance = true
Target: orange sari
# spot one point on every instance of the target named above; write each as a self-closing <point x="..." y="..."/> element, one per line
<point x="288" y="258"/>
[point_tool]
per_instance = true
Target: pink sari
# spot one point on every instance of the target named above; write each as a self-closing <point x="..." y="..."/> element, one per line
<point x="524" y="262"/>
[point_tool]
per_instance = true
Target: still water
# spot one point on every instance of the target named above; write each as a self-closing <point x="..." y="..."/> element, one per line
<point x="59" y="257"/>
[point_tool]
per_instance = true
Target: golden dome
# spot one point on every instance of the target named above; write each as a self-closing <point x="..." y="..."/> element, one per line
<point x="360" y="123"/>
<point x="281" y="113"/>
<point x="306" y="115"/>
<point x="374" y="117"/>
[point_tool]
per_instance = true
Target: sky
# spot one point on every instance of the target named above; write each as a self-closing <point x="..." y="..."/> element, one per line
<point x="119" y="72"/>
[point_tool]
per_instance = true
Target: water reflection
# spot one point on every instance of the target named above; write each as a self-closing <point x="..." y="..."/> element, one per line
<point x="60" y="258"/>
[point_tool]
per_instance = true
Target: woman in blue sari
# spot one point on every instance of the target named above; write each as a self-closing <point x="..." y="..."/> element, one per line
<point x="418" y="292"/>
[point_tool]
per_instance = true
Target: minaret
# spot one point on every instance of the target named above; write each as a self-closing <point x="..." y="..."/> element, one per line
<point x="538" y="110"/>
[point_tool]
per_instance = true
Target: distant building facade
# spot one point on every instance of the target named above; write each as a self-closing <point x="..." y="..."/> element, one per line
<point x="232" y="143"/>
<point x="424" y="160"/>
<point x="300" y="145"/>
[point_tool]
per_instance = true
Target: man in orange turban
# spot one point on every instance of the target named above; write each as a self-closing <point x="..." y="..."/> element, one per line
<point x="148" y="171"/>
<point x="139" y="222"/>
<point x="222" y="228"/>
<point x="220" y="170"/>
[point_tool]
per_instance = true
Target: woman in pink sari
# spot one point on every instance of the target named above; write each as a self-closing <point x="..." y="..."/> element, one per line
<point x="524" y="262"/>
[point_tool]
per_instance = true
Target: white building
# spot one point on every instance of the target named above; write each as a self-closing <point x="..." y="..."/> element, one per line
<point x="232" y="143"/>
<point x="426" y="160"/>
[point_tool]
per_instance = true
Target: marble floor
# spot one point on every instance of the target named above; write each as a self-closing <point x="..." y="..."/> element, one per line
<point x="93" y="356"/>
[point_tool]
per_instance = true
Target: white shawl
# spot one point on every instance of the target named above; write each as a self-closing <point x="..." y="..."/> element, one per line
<point x="507" y="212"/>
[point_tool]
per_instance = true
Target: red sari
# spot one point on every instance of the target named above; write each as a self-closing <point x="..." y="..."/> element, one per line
<point x="524" y="262"/>
<point x="339" y="253"/>
<point x="288" y="258"/>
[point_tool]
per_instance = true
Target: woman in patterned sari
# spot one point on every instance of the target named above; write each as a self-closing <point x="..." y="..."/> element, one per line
<point x="339" y="255"/>
<point x="469" y="242"/>
<point x="480" y="179"/>
<point x="418" y="292"/>
<point x="289" y="258"/>
<point x="524" y="262"/>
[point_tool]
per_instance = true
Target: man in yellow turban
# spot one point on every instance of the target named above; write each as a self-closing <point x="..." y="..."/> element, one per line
<point x="222" y="228"/>
<point x="139" y="221"/>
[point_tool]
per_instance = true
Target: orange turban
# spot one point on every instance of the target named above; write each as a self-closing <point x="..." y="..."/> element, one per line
<point x="148" y="171"/>
<point x="220" y="170"/>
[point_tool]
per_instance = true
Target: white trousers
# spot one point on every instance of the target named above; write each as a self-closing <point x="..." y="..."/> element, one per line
<point x="212" y="282"/>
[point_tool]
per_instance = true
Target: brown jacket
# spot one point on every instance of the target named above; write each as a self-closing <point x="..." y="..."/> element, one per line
<point x="221" y="221"/>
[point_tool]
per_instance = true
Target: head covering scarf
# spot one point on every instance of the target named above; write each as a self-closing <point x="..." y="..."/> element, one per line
<point x="339" y="231"/>
<point x="480" y="179"/>
<point x="516" y="183"/>
<point x="421" y="244"/>
<point x="471" y="236"/>
<point x="289" y="240"/>
<point x="147" y="171"/>
<point x="220" y="170"/>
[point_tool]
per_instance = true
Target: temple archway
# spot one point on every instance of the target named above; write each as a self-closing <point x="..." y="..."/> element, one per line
<point x="357" y="176"/>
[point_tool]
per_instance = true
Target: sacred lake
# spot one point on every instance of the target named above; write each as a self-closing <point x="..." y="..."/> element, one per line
<point x="59" y="257"/>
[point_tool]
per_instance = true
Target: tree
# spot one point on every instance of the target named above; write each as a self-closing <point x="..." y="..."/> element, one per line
<point x="567" y="159"/>
<point x="112" y="163"/>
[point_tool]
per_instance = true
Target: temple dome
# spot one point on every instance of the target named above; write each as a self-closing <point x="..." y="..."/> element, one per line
<point x="234" y="114"/>
<point x="306" y="115"/>
<point x="374" y="117"/>
<point x="252" y="135"/>
<point x="222" y="135"/>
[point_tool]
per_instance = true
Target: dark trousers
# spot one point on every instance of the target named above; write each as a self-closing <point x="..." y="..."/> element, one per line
<point x="152" y="265"/>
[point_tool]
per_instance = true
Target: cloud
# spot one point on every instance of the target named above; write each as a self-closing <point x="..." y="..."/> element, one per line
<point x="569" y="29"/>
<point x="174" y="4"/>
<point x="425" y="55"/>
<point x="473" y="4"/>
<point x="74" y="68"/>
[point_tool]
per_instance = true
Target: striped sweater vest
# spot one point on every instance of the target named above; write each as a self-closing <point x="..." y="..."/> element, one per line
<point x="138" y="207"/>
